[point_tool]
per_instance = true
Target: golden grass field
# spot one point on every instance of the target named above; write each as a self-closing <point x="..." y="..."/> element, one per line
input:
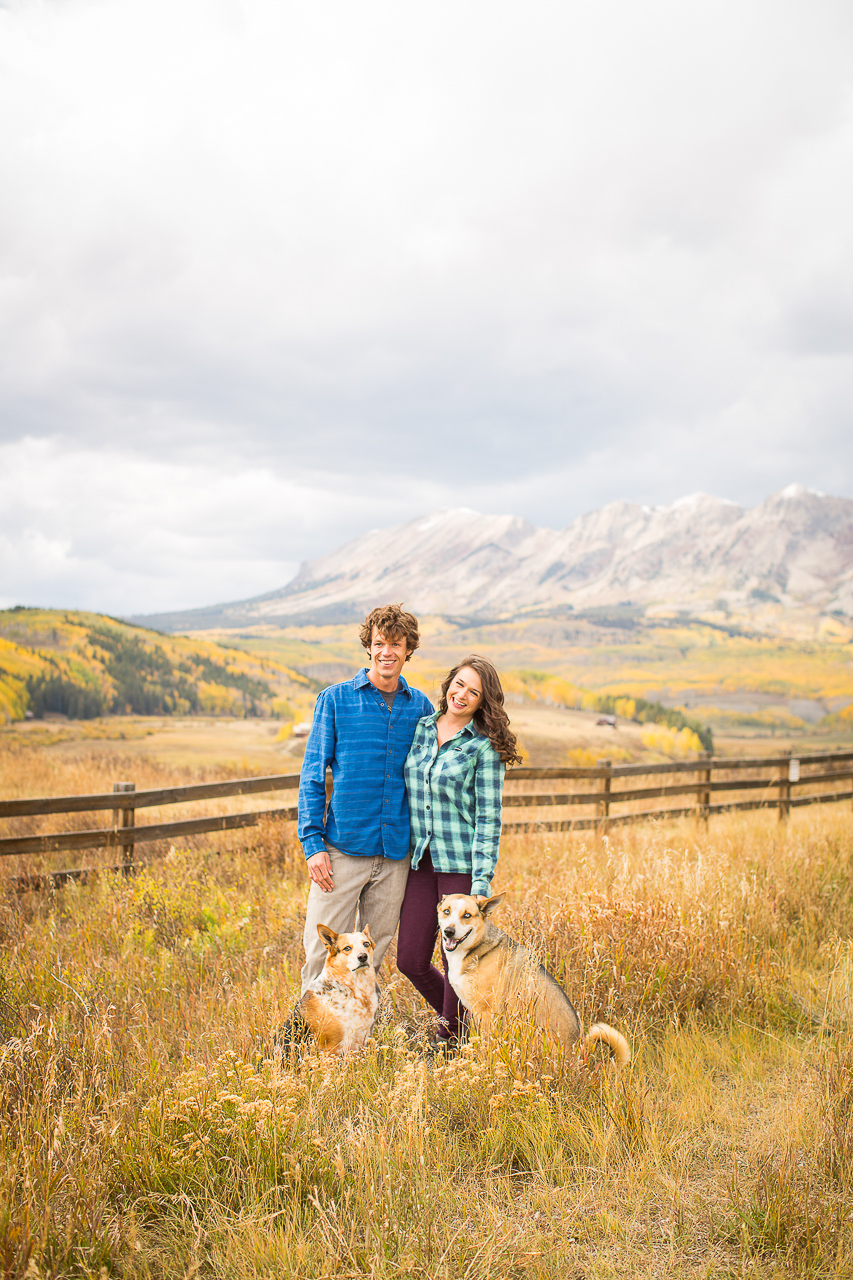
<point x="745" y="686"/>
<point x="548" y="734"/>
<point x="144" y="1131"/>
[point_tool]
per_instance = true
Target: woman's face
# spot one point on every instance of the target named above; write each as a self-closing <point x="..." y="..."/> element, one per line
<point x="465" y="693"/>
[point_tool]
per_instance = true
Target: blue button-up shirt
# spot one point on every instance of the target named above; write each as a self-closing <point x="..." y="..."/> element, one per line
<point x="366" y="747"/>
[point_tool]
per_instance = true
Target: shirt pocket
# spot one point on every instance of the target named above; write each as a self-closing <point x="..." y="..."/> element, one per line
<point x="456" y="776"/>
<point x="420" y="758"/>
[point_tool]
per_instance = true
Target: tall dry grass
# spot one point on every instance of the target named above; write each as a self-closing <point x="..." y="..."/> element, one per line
<point x="76" y="769"/>
<point x="145" y="1132"/>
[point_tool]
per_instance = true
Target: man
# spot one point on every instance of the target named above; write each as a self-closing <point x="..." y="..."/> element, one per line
<point x="357" y="850"/>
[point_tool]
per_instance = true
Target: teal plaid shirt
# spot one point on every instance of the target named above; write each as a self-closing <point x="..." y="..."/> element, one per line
<point x="455" y="801"/>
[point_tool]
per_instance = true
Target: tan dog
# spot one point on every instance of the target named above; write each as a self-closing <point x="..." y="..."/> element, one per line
<point x="340" y="1006"/>
<point x="494" y="976"/>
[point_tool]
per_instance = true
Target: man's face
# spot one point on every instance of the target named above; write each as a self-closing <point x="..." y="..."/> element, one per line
<point x="387" y="656"/>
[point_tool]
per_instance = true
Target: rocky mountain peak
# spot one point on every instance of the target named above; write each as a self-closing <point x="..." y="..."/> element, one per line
<point x="795" y="549"/>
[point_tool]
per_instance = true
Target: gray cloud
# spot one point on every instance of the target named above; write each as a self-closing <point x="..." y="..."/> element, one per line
<point x="271" y="274"/>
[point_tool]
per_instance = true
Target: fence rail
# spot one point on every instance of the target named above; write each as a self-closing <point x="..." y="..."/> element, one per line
<point x="777" y="789"/>
<point x="790" y="785"/>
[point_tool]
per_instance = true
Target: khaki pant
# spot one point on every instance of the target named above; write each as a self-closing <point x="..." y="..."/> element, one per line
<point x="372" y="886"/>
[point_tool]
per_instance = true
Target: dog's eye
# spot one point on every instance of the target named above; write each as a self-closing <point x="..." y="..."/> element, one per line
<point x="466" y="915"/>
<point x="347" y="948"/>
<point x="446" y="911"/>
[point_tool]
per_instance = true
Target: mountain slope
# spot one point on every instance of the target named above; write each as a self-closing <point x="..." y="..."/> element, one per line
<point x="793" y="550"/>
<point x="86" y="665"/>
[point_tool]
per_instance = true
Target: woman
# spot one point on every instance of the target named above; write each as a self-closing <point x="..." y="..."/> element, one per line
<point x="454" y="778"/>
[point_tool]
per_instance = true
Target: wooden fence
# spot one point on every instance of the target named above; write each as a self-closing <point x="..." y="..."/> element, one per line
<point x="125" y="834"/>
<point x="711" y="785"/>
<point x="716" y="786"/>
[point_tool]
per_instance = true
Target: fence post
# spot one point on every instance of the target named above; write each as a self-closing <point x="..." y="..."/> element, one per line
<point x="703" y="796"/>
<point x="123" y="818"/>
<point x="604" y="802"/>
<point x="785" y="788"/>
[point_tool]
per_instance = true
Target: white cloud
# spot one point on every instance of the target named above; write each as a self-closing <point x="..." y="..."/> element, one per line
<point x="347" y="259"/>
<point x="99" y="530"/>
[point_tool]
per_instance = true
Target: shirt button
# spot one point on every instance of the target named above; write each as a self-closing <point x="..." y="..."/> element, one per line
<point x="427" y="806"/>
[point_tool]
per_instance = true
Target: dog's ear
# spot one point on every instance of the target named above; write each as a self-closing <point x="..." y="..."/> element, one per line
<point x="328" y="937"/>
<point x="367" y="934"/>
<point x="489" y="906"/>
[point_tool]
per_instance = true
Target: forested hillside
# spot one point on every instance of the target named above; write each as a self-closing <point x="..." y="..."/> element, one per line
<point x="85" y="665"/>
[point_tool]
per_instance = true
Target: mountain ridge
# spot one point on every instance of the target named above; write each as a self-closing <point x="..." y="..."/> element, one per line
<point x="700" y="554"/>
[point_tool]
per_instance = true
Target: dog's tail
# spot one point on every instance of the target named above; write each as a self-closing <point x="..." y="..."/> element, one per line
<point x="615" y="1041"/>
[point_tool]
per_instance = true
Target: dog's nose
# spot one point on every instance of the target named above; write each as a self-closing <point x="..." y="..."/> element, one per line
<point x="449" y="931"/>
<point x="363" y="957"/>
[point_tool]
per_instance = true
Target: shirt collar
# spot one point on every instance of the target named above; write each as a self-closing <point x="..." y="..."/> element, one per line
<point x="470" y="728"/>
<point x="362" y="679"/>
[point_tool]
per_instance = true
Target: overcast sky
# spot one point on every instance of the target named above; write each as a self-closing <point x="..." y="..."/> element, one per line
<point x="273" y="273"/>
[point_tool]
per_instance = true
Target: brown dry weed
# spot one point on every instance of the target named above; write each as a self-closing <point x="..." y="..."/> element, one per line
<point x="145" y="1130"/>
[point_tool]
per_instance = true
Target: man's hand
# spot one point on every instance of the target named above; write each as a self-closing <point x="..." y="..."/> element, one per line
<point x="320" y="870"/>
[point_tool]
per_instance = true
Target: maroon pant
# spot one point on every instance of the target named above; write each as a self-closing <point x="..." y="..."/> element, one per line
<point x="416" y="940"/>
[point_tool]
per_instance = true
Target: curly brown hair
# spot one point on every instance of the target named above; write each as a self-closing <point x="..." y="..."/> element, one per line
<point x="490" y="717"/>
<point x="392" y="622"/>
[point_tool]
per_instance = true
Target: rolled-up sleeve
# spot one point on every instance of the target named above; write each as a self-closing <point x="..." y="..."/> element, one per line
<point x="319" y="753"/>
<point x="488" y="791"/>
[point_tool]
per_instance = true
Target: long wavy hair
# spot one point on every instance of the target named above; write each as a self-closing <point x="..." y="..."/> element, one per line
<point x="490" y="717"/>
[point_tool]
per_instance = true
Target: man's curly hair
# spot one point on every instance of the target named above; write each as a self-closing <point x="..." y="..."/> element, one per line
<point x="490" y="717"/>
<point x="393" y="622"/>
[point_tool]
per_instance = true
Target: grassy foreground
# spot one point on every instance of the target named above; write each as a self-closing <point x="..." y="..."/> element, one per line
<point x="144" y="1132"/>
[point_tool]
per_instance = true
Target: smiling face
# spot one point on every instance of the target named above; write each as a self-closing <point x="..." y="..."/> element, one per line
<point x="459" y="920"/>
<point x="387" y="655"/>
<point x="462" y="920"/>
<point x="465" y="693"/>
